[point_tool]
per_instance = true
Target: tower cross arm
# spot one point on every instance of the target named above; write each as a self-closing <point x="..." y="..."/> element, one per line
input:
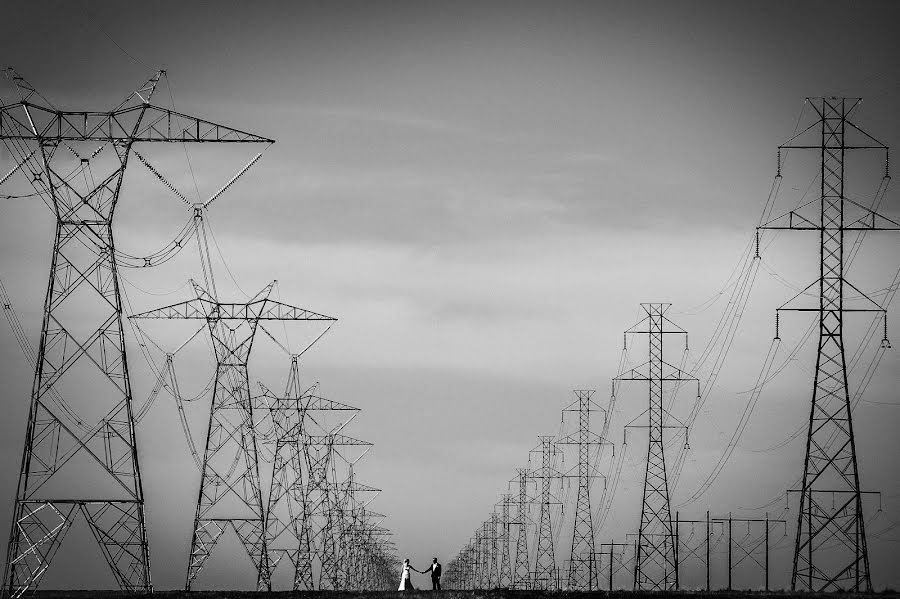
<point x="863" y="219"/>
<point x="592" y="439"/>
<point x="163" y="124"/>
<point x="666" y="326"/>
<point x="335" y="440"/>
<point x="642" y="373"/>
<point x="139" y="123"/>
<point x="358" y="487"/>
<point x="202" y="308"/>
<point x="273" y="310"/>
<point x="190" y="309"/>
<point x="314" y="402"/>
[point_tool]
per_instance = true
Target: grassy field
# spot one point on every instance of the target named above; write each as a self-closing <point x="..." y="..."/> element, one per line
<point x="491" y="594"/>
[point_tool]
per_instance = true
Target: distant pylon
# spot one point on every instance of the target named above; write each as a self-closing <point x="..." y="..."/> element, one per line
<point x="583" y="567"/>
<point x="830" y="551"/>
<point x="489" y="563"/>
<point x="288" y="525"/>
<point x="656" y="565"/>
<point x="351" y="508"/>
<point x="472" y="556"/>
<point x="521" y="571"/>
<point x="230" y="493"/>
<point x="505" y="581"/>
<point x="481" y="559"/>
<point x="326" y="507"/>
<point x="545" y="573"/>
<point x="494" y="529"/>
<point x="77" y="437"/>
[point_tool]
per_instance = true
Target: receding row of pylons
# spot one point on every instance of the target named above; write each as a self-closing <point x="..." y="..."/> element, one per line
<point x="518" y="549"/>
<point x="276" y="469"/>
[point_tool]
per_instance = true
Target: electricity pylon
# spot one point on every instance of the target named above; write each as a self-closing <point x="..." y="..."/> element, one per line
<point x="656" y="562"/>
<point x="351" y="511"/>
<point x="583" y="567"/>
<point x="496" y="536"/>
<point x="830" y="551"/>
<point x="362" y="544"/>
<point x="470" y="574"/>
<point x="230" y="493"/>
<point x="478" y="574"/>
<point x="489" y="554"/>
<point x="505" y="569"/>
<point x="521" y="572"/>
<point x="80" y="453"/>
<point x="288" y="525"/>
<point x="324" y="504"/>
<point x="545" y="574"/>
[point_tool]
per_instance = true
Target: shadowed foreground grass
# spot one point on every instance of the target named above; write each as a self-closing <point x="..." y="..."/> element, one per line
<point x="492" y="594"/>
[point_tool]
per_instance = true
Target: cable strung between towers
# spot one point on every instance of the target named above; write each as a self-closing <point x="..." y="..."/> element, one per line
<point x="68" y="470"/>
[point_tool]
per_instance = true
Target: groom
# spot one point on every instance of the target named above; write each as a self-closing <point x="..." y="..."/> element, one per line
<point x="435" y="570"/>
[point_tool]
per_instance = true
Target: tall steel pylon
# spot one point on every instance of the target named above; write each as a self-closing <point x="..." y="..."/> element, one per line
<point x="288" y="519"/>
<point x="325" y="505"/>
<point x="505" y="580"/>
<point x="80" y="454"/>
<point x="489" y="553"/>
<point x="656" y="566"/>
<point x="830" y="551"/>
<point x="545" y="573"/>
<point x="230" y="494"/>
<point x="477" y="559"/>
<point x="496" y="536"/>
<point x="351" y="510"/>
<point x="521" y="572"/>
<point x="480" y="565"/>
<point x="484" y="552"/>
<point x="583" y="568"/>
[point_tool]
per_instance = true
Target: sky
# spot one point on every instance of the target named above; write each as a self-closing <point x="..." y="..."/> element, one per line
<point x="482" y="194"/>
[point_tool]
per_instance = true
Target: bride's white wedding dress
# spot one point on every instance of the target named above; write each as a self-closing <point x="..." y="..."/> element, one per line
<point x="405" y="582"/>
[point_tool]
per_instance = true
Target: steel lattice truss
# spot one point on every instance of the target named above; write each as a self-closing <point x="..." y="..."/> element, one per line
<point x="493" y="539"/>
<point x="230" y="493"/>
<point x="487" y="555"/>
<point x="76" y="161"/>
<point x="656" y="560"/>
<point x="521" y="578"/>
<point x="288" y="526"/>
<point x="332" y="510"/>
<point x="545" y="574"/>
<point x="583" y="567"/>
<point x="830" y="550"/>
<point x="505" y="580"/>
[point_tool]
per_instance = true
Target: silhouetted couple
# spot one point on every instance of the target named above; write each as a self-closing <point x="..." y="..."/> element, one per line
<point x="434" y="570"/>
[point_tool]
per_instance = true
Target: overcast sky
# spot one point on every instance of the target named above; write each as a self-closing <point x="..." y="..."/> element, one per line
<point x="483" y="194"/>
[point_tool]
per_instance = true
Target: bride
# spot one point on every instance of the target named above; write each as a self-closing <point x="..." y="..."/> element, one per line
<point x="405" y="582"/>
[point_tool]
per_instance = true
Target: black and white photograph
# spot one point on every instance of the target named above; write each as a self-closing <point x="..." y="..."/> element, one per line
<point x="477" y="298"/>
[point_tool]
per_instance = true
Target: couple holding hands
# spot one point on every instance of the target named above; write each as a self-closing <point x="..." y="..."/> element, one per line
<point x="434" y="570"/>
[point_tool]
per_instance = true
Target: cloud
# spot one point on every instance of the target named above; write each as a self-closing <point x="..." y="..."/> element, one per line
<point x="393" y="119"/>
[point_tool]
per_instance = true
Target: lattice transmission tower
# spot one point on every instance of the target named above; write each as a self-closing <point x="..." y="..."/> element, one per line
<point x="489" y="552"/>
<point x="80" y="454"/>
<point x="545" y="572"/>
<point x="288" y="516"/>
<point x="521" y="572"/>
<point x="656" y="563"/>
<point x="480" y="555"/>
<point x="325" y="505"/>
<point x="830" y="551"/>
<point x="230" y="493"/>
<point x="351" y="508"/>
<point x="583" y="568"/>
<point x="505" y="581"/>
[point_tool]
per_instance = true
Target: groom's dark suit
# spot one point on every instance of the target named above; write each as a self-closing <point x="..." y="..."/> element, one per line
<point x="435" y="576"/>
